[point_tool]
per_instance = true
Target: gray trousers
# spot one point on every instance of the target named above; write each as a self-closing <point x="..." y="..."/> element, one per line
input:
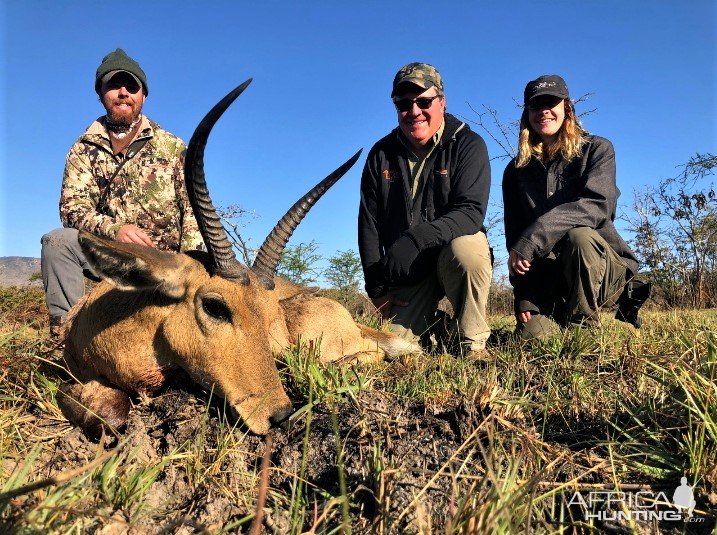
<point x="463" y="275"/>
<point x="587" y="275"/>
<point x="64" y="269"/>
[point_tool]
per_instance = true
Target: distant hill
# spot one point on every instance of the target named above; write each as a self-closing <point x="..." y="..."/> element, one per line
<point x="17" y="270"/>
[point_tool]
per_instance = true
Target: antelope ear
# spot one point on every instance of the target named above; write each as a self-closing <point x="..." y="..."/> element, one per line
<point x="135" y="267"/>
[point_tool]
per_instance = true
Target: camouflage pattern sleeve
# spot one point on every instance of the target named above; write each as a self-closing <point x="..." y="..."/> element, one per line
<point x="190" y="235"/>
<point x="80" y="195"/>
<point x="102" y="191"/>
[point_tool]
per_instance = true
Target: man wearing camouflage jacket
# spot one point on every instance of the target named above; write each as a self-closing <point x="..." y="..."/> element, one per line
<point x="123" y="179"/>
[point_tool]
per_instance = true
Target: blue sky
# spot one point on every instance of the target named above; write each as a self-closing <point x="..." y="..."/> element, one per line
<point x="322" y="75"/>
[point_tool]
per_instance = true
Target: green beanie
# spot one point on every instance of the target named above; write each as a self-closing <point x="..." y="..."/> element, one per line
<point x="120" y="61"/>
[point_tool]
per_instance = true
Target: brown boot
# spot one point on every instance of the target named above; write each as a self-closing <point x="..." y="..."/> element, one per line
<point x="57" y="332"/>
<point x="479" y="355"/>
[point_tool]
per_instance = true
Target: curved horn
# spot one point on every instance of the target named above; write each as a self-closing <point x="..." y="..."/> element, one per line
<point x="270" y="252"/>
<point x="218" y="246"/>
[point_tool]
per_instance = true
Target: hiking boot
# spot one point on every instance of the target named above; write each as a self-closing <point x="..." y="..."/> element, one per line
<point x="479" y="355"/>
<point x="472" y="349"/>
<point x="57" y="331"/>
<point x="539" y="326"/>
<point x="585" y="322"/>
<point x="632" y="298"/>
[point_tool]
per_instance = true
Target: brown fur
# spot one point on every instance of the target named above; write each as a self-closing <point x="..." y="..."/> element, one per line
<point x="96" y="406"/>
<point x="171" y="313"/>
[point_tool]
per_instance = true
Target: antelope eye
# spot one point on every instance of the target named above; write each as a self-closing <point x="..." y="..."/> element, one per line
<point x="217" y="308"/>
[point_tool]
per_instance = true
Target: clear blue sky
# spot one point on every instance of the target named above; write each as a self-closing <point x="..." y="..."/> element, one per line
<point x="322" y="75"/>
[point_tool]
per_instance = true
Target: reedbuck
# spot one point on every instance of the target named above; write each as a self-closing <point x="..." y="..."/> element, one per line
<point x="205" y="313"/>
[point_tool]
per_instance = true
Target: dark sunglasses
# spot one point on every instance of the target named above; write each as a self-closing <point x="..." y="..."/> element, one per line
<point x="129" y="83"/>
<point x="406" y="104"/>
<point x="131" y="87"/>
<point x="549" y="101"/>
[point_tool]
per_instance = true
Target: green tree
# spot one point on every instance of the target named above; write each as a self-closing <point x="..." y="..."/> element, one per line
<point x="344" y="271"/>
<point x="298" y="263"/>
<point x="675" y="226"/>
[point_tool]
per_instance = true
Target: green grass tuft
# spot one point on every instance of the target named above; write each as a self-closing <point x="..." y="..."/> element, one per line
<point x="422" y="444"/>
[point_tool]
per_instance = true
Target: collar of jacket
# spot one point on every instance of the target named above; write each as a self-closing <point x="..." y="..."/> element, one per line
<point x="451" y="129"/>
<point x="588" y="139"/>
<point x="97" y="132"/>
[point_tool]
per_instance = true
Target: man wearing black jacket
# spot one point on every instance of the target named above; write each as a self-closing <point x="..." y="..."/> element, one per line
<point x="424" y="194"/>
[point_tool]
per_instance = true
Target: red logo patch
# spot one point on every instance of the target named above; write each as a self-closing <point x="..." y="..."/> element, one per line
<point x="388" y="174"/>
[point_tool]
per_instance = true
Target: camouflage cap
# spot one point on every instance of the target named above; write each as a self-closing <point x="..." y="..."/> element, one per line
<point x="421" y="74"/>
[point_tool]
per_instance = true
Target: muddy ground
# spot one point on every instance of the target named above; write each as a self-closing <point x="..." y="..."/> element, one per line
<point x="398" y="463"/>
<point x="391" y="450"/>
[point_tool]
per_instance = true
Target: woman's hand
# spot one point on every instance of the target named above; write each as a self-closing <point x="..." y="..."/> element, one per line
<point x="523" y="317"/>
<point x="517" y="265"/>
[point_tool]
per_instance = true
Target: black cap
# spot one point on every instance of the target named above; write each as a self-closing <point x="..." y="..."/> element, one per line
<point x="548" y="84"/>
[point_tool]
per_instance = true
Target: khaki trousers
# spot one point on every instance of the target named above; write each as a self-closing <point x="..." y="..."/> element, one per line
<point x="587" y="275"/>
<point x="463" y="275"/>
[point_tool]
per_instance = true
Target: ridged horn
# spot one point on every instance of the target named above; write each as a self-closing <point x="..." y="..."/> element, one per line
<point x="219" y="247"/>
<point x="270" y="252"/>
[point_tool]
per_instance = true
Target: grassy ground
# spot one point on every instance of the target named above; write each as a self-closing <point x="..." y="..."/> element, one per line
<point x="537" y="439"/>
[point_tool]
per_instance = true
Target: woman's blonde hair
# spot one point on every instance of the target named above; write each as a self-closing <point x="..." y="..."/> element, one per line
<point x="569" y="141"/>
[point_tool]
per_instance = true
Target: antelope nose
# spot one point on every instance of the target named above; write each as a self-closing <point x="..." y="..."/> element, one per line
<point x="280" y="417"/>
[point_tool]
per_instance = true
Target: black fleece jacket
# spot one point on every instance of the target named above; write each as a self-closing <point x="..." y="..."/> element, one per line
<point x="452" y="203"/>
<point x="543" y="202"/>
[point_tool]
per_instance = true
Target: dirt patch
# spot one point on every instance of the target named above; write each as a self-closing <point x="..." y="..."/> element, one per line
<point x="391" y="451"/>
<point x="396" y="460"/>
<point x="392" y="455"/>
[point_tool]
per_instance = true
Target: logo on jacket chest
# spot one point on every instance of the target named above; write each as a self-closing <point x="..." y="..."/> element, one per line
<point x="389" y="174"/>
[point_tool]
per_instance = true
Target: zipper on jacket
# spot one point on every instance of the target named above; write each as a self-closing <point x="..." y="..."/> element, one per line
<point x="408" y="197"/>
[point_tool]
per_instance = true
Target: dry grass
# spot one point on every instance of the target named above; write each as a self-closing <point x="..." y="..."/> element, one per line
<point x="425" y="444"/>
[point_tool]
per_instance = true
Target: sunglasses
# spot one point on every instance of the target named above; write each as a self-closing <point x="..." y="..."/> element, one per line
<point x="406" y="104"/>
<point x="131" y="87"/>
<point x="129" y="83"/>
<point x="544" y="102"/>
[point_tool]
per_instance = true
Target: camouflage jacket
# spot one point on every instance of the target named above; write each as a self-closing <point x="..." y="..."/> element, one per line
<point x="148" y="191"/>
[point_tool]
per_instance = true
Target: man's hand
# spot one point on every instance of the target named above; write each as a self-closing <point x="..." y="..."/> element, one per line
<point x="517" y="265"/>
<point x="383" y="304"/>
<point x="133" y="234"/>
<point x="398" y="259"/>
